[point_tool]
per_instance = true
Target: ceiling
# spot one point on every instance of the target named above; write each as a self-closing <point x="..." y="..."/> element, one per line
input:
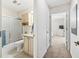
<point x="28" y="4"/>
<point x="25" y="5"/>
<point x="59" y="15"/>
<point x="54" y="3"/>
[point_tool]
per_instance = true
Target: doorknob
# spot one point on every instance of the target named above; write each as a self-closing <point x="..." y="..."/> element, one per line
<point x="76" y="43"/>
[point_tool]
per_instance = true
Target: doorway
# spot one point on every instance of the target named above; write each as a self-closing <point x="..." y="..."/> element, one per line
<point x="58" y="37"/>
<point x="58" y="26"/>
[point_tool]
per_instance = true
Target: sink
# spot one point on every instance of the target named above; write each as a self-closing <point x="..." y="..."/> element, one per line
<point x="28" y="35"/>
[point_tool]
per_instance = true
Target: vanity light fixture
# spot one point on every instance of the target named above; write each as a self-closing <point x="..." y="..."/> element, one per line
<point x="16" y="2"/>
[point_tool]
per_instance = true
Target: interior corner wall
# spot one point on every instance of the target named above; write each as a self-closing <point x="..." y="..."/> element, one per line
<point x="42" y="15"/>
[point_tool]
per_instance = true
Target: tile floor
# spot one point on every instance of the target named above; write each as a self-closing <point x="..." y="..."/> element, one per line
<point x="14" y="54"/>
<point x="57" y="49"/>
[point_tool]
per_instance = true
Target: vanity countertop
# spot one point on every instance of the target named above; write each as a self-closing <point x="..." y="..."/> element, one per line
<point x="28" y="35"/>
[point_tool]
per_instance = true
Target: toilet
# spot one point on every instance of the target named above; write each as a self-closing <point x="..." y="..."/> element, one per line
<point x="19" y="45"/>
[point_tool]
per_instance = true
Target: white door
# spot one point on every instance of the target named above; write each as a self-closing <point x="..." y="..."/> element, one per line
<point x="74" y="38"/>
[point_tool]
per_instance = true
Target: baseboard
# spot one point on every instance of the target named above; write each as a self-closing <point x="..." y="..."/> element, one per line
<point x="45" y="51"/>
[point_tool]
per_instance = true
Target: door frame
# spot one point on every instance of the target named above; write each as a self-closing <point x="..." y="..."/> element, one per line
<point x="51" y="29"/>
<point x="68" y="29"/>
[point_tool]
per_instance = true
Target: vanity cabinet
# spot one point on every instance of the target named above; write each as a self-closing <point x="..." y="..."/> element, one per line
<point x="31" y="47"/>
<point x="28" y="46"/>
<point x="24" y="19"/>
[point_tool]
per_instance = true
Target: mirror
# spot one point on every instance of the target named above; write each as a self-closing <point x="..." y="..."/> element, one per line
<point x="74" y="20"/>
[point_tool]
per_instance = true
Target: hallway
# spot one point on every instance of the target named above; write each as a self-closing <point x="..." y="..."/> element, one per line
<point x="57" y="49"/>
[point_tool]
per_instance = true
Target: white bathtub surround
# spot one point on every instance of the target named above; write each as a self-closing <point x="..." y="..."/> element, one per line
<point x="8" y="48"/>
<point x="14" y="54"/>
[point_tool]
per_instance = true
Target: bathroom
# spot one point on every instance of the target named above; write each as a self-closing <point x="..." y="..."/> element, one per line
<point x="17" y="28"/>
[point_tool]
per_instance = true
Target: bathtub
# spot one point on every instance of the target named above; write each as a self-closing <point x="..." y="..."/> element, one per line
<point x="8" y="48"/>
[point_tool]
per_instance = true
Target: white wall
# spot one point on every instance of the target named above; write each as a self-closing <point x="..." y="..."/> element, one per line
<point x="41" y="18"/>
<point x="11" y="24"/>
<point x="0" y="39"/>
<point x="58" y="19"/>
<point x="8" y="12"/>
<point x="78" y="19"/>
<point x="74" y="38"/>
